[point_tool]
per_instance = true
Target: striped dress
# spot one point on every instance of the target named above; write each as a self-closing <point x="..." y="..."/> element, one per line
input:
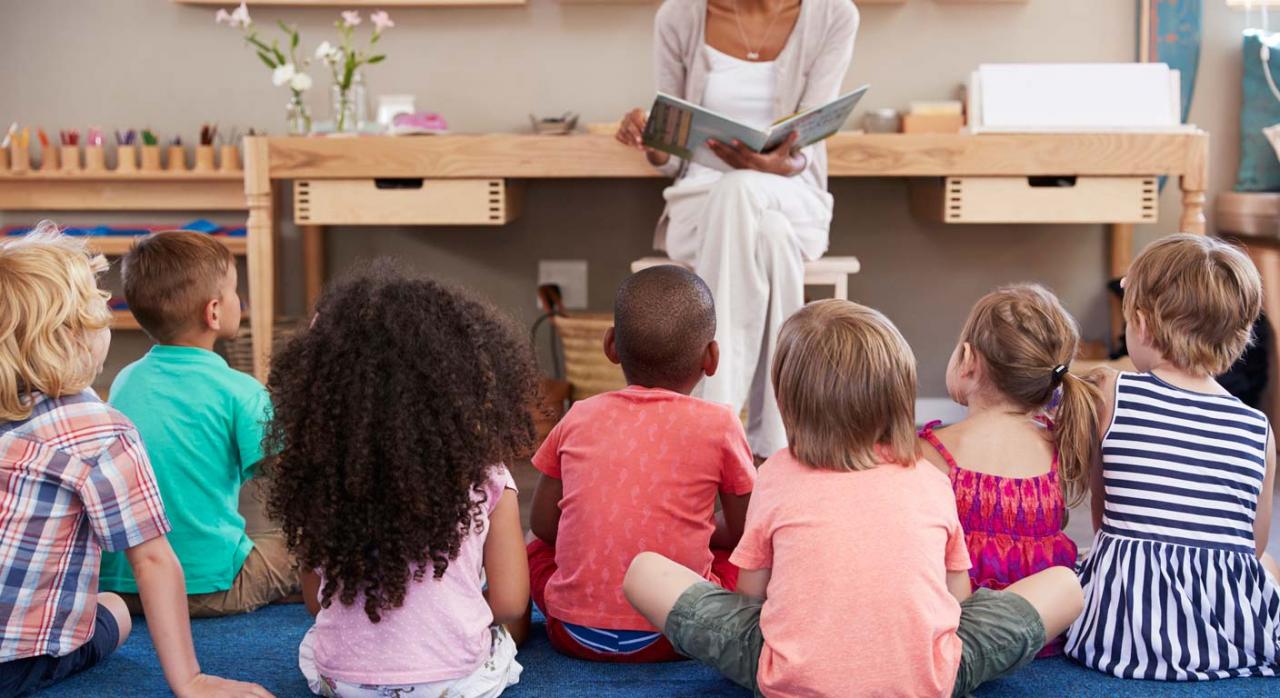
<point x="1173" y="589"/>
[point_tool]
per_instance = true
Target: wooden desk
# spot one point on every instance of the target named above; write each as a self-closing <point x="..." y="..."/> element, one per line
<point x="511" y="156"/>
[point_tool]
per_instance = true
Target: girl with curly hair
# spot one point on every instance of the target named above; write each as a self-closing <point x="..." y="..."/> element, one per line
<point x="394" y="414"/>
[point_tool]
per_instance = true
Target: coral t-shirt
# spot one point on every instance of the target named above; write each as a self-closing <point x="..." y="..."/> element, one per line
<point x="857" y="601"/>
<point x="641" y="468"/>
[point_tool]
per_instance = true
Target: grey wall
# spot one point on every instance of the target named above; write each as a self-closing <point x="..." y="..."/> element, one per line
<point x="71" y="63"/>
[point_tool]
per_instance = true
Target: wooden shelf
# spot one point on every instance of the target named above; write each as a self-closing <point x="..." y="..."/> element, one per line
<point x="178" y="191"/>
<point x="525" y="156"/>
<point x="118" y="245"/>
<point x="124" y="320"/>
<point x="358" y="4"/>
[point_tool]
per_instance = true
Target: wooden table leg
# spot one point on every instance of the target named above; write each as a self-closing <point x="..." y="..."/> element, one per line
<point x="1192" y="220"/>
<point x="1119" y="254"/>
<point x="261" y="252"/>
<point x="313" y="262"/>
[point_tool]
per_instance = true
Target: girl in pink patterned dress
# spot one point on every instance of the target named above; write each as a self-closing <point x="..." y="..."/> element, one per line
<point x="1013" y="470"/>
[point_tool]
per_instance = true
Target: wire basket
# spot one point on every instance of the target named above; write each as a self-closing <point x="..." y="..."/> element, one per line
<point x="587" y="369"/>
<point x="238" y="351"/>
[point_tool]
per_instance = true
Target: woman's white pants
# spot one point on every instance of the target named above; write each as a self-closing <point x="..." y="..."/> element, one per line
<point x="748" y="235"/>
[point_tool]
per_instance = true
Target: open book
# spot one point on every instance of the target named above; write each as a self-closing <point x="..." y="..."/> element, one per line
<point x="682" y="128"/>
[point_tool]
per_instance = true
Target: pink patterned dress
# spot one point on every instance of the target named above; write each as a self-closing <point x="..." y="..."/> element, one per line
<point x="1012" y="526"/>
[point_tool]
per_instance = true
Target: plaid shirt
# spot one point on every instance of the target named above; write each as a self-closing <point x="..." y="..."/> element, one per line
<point x="74" y="480"/>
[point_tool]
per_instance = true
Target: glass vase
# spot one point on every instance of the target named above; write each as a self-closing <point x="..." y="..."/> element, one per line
<point x="297" y="118"/>
<point x="344" y="110"/>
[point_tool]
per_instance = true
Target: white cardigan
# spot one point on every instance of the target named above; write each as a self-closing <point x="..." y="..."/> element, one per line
<point x="810" y="69"/>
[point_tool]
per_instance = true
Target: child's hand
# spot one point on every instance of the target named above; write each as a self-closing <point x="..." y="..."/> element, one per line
<point x="205" y="686"/>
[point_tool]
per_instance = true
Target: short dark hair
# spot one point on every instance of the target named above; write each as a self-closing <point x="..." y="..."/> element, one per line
<point x="169" y="277"/>
<point x="663" y="319"/>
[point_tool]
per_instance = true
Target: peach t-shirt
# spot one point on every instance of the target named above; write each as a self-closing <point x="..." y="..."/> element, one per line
<point x="641" y="468"/>
<point x="857" y="601"/>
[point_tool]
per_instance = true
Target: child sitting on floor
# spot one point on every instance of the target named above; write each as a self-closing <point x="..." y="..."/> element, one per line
<point x="1013" y="470"/>
<point x="638" y="469"/>
<point x="394" y="415"/>
<point x="76" y="481"/>
<point x="1177" y="586"/>
<point x="854" y="569"/>
<point x="202" y="424"/>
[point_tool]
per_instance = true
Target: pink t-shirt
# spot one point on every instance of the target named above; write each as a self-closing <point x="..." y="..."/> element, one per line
<point x="641" y="468"/>
<point x="441" y="632"/>
<point x="857" y="600"/>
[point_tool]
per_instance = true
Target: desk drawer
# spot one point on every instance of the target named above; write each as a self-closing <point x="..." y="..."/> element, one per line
<point x="1038" y="199"/>
<point x="404" y="202"/>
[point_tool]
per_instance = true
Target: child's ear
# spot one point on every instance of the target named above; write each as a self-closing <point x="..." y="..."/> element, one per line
<point x="213" y="315"/>
<point x="968" y="360"/>
<point x="611" y="347"/>
<point x="1140" y="325"/>
<point x="711" y="359"/>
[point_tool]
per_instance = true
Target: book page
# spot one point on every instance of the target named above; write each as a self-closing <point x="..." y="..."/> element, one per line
<point x="816" y="124"/>
<point x="683" y="129"/>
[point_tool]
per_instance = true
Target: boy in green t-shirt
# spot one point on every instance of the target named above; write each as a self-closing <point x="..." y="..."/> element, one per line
<point x="202" y="424"/>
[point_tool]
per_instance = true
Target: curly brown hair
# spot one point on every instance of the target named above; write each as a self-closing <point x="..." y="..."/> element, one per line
<point x="390" y="413"/>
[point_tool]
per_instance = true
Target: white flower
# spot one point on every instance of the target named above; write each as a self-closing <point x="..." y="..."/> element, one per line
<point x="351" y="18"/>
<point x="381" y="21"/>
<point x="300" y="82"/>
<point x="283" y="74"/>
<point x="323" y="50"/>
<point x="240" y="16"/>
<point x="222" y="16"/>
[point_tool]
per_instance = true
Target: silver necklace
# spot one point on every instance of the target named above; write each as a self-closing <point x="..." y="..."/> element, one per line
<point x="752" y="54"/>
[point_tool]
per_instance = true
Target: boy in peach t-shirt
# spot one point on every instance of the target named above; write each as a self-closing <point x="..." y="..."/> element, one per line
<point x="854" y="575"/>
<point x="638" y="469"/>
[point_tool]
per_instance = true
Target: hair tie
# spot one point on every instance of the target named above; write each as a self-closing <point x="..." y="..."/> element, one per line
<point x="1059" y="372"/>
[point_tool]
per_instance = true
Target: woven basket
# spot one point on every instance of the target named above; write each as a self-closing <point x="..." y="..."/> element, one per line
<point x="239" y="351"/>
<point x="587" y="369"/>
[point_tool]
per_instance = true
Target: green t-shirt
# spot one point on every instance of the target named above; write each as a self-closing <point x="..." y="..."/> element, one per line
<point x="202" y="424"/>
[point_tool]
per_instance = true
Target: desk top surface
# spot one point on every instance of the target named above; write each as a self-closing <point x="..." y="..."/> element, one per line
<point x="850" y="155"/>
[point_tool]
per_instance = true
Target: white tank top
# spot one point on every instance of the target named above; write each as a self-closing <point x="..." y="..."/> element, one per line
<point x="740" y="89"/>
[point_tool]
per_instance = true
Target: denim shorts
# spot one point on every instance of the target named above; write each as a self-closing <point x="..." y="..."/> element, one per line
<point x="1000" y="632"/>
<point x="20" y="677"/>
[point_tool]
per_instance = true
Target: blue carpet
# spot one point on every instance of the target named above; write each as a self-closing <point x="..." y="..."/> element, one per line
<point x="263" y="647"/>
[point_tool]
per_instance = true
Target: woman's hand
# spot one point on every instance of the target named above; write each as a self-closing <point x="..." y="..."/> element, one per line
<point x="783" y="160"/>
<point x="631" y="134"/>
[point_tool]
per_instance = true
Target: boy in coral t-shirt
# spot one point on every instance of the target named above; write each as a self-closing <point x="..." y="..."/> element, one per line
<point x="639" y="469"/>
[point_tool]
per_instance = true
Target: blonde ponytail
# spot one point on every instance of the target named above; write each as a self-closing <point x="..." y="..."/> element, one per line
<point x="1075" y="435"/>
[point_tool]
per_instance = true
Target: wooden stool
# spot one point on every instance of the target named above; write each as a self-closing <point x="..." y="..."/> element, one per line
<point x="827" y="271"/>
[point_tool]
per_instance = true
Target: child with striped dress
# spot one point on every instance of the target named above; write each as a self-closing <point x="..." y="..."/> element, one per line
<point x="1177" y="586"/>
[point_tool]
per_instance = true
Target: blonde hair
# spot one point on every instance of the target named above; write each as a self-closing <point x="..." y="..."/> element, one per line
<point x="846" y="386"/>
<point x="1026" y="340"/>
<point x="1200" y="297"/>
<point x="49" y="306"/>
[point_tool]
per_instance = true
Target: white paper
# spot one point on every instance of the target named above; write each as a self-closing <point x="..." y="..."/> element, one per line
<point x="1076" y="97"/>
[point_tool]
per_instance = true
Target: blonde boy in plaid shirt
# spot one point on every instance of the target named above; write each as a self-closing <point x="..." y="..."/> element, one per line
<point x="75" y="480"/>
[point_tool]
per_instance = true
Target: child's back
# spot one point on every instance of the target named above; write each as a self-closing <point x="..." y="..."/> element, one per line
<point x="202" y="424"/>
<point x="875" y="617"/>
<point x="641" y="469"/>
<point x="638" y="470"/>
<point x="1177" y="585"/>
<point x="1176" y="556"/>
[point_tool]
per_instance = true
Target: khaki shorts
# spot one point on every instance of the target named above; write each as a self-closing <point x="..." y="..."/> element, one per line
<point x="1000" y="632"/>
<point x="268" y="574"/>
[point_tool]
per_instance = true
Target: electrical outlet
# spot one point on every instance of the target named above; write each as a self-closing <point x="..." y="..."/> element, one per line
<point x="570" y="275"/>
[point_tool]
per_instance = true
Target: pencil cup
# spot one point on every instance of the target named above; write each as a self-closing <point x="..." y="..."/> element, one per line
<point x="49" y="159"/>
<point x="95" y="158"/>
<point x="229" y="158"/>
<point x="204" y="158"/>
<point x="177" y="159"/>
<point x="150" y="158"/>
<point x="127" y="158"/>
<point x="70" y="158"/>
<point x="19" y="158"/>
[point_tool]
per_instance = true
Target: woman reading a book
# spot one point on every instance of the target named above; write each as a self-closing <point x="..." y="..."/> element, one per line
<point x="749" y="224"/>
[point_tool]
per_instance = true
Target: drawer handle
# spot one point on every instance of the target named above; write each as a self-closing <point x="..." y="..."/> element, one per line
<point x="398" y="182"/>
<point x="1052" y="182"/>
